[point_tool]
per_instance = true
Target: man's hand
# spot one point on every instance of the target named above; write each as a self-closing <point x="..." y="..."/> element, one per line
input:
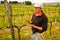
<point x="29" y="21"/>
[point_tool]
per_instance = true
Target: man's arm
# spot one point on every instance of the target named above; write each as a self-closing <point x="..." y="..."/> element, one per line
<point x="39" y="28"/>
<point x="29" y="21"/>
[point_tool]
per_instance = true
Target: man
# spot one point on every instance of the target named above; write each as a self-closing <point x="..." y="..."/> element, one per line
<point x="38" y="23"/>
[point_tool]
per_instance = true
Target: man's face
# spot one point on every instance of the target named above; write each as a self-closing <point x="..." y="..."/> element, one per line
<point x="37" y="9"/>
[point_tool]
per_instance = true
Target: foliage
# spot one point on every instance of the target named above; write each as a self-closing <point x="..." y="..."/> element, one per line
<point x="28" y="3"/>
<point x="21" y="12"/>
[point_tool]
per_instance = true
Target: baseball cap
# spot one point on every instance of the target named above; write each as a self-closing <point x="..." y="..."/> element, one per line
<point x="37" y="5"/>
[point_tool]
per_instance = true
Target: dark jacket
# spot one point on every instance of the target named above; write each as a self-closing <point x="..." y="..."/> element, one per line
<point x="40" y="21"/>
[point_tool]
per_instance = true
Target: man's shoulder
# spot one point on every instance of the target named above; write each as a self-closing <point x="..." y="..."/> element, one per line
<point x="45" y="17"/>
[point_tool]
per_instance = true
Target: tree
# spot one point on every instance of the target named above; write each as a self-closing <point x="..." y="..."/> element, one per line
<point x="28" y="3"/>
<point x="2" y="1"/>
<point x="9" y="13"/>
<point x="13" y="2"/>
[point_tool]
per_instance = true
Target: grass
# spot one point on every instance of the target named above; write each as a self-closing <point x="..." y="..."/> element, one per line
<point x="25" y="33"/>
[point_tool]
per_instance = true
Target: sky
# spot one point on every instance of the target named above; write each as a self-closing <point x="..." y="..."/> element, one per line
<point x="37" y="1"/>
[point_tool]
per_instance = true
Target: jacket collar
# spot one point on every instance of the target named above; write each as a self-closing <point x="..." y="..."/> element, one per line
<point x="38" y="14"/>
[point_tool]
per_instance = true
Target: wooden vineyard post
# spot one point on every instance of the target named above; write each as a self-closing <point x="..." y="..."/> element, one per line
<point x="50" y="28"/>
<point x="8" y="11"/>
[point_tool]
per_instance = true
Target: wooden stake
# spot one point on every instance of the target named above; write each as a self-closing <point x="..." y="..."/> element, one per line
<point x="8" y="11"/>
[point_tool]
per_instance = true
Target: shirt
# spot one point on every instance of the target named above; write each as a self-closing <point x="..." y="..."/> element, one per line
<point x="39" y="21"/>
